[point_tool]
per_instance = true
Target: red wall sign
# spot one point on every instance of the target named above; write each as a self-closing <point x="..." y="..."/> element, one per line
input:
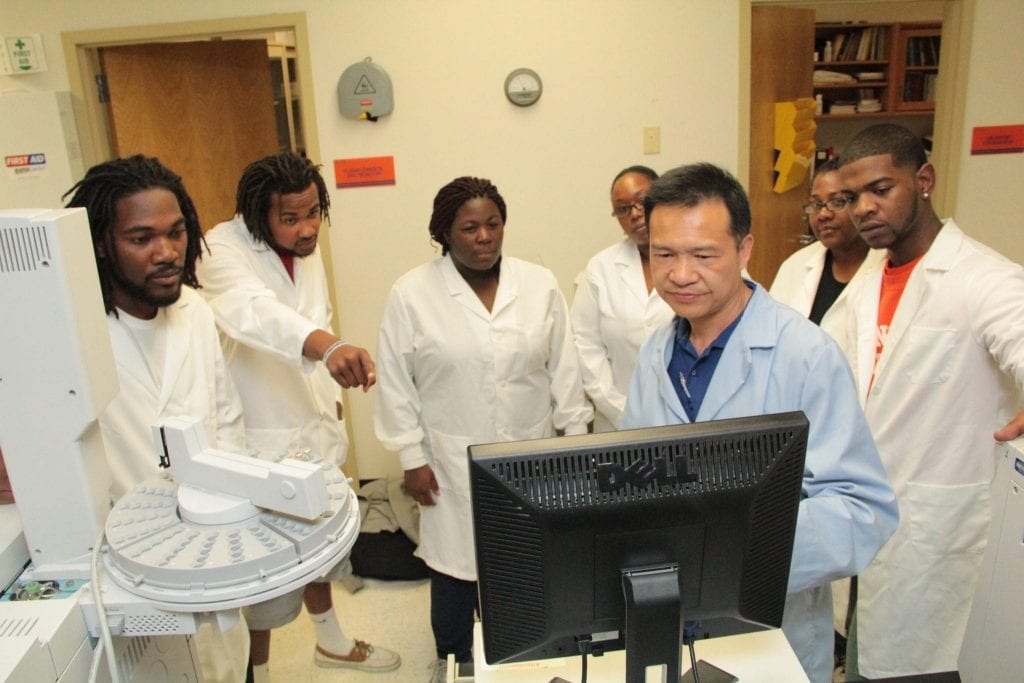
<point x="365" y="171"/>
<point x="997" y="140"/>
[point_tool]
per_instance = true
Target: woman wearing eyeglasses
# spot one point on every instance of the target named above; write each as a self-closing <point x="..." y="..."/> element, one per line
<point x="615" y="306"/>
<point x="813" y="279"/>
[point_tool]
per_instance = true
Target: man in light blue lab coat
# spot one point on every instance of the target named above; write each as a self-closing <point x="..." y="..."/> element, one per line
<point x="733" y="351"/>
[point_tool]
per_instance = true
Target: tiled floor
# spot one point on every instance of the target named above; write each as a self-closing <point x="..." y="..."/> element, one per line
<point x="393" y="614"/>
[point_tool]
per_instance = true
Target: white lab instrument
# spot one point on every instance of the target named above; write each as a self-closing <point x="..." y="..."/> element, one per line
<point x="991" y="648"/>
<point x="227" y="531"/>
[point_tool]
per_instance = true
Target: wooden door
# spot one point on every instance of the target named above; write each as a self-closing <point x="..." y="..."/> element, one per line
<point x="781" y="64"/>
<point x="204" y="108"/>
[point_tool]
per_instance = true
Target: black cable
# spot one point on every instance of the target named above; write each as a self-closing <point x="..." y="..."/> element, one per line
<point x="693" y="661"/>
<point x="583" y="645"/>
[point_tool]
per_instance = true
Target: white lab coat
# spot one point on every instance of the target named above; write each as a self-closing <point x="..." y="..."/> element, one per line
<point x="776" y="361"/>
<point x="452" y="374"/>
<point x="195" y="383"/>
<point x="796" y="284"/>
<point x="612" y="313"/>
<point x="264" y="317"/>
<point x="949" y="376"/>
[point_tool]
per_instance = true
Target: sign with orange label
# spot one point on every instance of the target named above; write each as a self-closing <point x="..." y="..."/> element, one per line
<point x="997" y="140"/>
<point x="364" y="171"/>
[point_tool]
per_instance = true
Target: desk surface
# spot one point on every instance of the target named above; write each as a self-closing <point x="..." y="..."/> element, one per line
<point x="762" y="657"/>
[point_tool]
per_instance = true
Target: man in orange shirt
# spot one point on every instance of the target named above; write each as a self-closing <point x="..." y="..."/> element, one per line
<point x="936" y="341"/>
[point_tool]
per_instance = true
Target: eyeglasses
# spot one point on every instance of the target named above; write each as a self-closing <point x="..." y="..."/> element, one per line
<point x="620" y="210"/>
<point x="835" y="204"/>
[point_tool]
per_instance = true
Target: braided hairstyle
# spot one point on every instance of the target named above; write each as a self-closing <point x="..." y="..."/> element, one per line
<point x="104" y="185"/>
<point x="451" y="197"/>
<point x="282" y="173"/>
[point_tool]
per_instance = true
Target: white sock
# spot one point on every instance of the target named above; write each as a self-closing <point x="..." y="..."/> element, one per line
<point x="261" y="673"/>
<point x="329" y="635"/>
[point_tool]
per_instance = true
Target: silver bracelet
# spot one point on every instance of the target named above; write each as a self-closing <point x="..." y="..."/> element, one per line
<point x="332" y="348"/>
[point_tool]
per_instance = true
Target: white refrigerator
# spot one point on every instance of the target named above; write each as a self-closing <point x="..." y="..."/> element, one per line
<point x="39" y="146"/>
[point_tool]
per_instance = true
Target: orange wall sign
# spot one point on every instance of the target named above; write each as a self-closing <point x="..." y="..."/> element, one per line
<point x="365" y="171"/>
<point x="997" y="140"/>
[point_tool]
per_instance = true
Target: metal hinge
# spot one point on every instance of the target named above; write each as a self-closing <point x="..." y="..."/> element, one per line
<point x="102" y="91"/>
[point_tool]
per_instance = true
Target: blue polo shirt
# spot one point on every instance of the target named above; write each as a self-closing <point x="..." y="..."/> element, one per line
<point x="691" y="374"/>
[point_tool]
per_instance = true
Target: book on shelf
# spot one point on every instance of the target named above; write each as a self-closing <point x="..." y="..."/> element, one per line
<point x="919" y="87"/>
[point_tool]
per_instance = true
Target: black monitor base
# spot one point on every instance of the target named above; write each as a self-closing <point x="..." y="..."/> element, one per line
<point x="709" y="673"/>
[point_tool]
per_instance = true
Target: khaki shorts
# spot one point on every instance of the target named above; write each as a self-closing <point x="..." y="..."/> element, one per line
<point x="283" y="609"/>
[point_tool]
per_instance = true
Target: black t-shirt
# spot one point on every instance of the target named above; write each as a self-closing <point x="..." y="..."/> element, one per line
<point x="829" y="289"/>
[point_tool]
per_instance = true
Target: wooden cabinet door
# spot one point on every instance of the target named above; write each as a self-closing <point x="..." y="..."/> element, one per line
<point x="204" y="108"/>
<point x="781" y="64"/>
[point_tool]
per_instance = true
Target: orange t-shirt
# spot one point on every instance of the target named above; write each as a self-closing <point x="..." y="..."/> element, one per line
<point x="894" y="281"/>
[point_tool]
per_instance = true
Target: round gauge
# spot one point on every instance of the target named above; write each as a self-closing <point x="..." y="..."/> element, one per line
<point x="523" y="87"/>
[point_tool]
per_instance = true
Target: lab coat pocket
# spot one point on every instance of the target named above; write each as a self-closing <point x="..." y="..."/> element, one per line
<point x="272" y="444"/>
<point x="948" y="520"/>
<point x="931" y="352"/>
<point x="451" y="462"/>
<point x="525" y="349"/>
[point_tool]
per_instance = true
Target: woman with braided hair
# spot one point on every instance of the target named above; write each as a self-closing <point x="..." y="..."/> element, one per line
<point x="474" y="347"/>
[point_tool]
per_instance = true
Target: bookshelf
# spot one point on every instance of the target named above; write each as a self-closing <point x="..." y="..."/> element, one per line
<point x="869" y="70"/>
<point x="916" y="68"/>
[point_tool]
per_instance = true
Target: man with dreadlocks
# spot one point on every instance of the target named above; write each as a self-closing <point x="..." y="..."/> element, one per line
<point x="146" y="239"/>
<point x="266" y="283"/>
<point x="474" y="348"/>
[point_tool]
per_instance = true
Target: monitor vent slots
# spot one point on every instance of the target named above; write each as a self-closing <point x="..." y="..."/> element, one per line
<point x="23" y="249"/>
<point x="514" y="544"/>
<point x="571" y="479"/>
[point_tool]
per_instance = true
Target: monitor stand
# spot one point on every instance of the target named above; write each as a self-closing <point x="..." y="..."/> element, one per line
<point x="654" y="627"/>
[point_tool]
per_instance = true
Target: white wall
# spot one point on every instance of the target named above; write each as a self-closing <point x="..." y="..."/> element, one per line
<point x="609" y="68"/>
<point x="990" y="196"/>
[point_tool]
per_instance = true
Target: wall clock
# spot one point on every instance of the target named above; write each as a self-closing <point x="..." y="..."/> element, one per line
<point x="523" y="87"/>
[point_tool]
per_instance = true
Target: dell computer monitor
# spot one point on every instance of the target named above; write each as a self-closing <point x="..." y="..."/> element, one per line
<point x="613" y="540"/>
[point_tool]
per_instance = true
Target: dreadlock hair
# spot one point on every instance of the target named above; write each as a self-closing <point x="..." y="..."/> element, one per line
<point x="104" y="185"/>
<point x="645" y="171"/>
<point x="452" y="196"/>
<point x="282" y="173"/>
<point x="904" y="147"/>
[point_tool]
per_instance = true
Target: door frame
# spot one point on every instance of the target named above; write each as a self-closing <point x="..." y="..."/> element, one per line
<point x="950" y="108"/>
<point x="81" y="54"/>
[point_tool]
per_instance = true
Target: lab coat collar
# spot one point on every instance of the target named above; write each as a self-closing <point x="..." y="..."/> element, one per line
<point x="631" y="271"/>
<point x="939" y="258"/>
<point x="267" y="254"/>
<point x="460" y="290"/>
<point x="176" y="346"/>
<point x="757" y="329"/>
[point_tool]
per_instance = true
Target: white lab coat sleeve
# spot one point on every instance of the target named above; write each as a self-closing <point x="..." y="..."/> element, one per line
<point x="848" y="510"/>
<point x="998" y="325"/>
<point x="397" y="415"/>
<point x="571" y="411"/>
<point x="247" y="310"/>
<point x="643" y="405"/>
<point x="595" y="366"/>
<point x="230" y="425"/>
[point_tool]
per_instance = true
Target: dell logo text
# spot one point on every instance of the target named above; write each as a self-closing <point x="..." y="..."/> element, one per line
<point x="613" y="476"/>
